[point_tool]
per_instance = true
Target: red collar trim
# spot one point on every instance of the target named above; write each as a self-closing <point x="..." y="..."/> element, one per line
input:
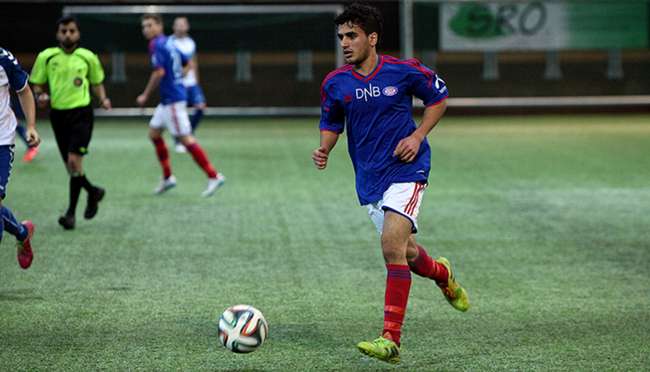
<point x="372" y="74"/>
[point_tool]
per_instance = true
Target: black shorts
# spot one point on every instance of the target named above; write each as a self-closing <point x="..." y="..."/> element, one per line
<point x="72" y="129"/>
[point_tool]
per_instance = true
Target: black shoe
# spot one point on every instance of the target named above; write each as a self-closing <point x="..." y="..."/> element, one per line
<point x="67" y="222"/>
<point x="93" y="202"/>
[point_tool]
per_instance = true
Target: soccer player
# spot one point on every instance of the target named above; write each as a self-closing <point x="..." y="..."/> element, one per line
<point x="13" y="77"/>
<point x="372" y="97"/>
<point x="195" y="97"/>
<point x="67" y="71"/>
<point x="167" y="62"/>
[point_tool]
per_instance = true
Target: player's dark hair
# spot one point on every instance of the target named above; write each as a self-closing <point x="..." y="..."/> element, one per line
<point x="366" y="16"/>
<point x="68" y="19"/>
<point x="155" y="16"/>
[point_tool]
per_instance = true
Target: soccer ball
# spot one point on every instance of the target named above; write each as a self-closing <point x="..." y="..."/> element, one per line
<point x="242" y="328"/>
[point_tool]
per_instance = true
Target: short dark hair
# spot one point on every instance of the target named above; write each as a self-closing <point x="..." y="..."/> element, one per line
<point x="67" y="19"/>
<point x="155" y="16"/>
<point x="366" y="16"/>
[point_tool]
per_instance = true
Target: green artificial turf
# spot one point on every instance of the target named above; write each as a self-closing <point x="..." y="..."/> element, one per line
<point x="546" y="220"/>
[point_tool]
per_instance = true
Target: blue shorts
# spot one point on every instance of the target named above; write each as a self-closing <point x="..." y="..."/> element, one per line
<point x="6" y="162"/>
<point x="195" y="95"/>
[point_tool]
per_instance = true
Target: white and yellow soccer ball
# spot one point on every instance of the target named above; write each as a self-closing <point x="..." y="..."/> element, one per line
<point x="242" y="328"/>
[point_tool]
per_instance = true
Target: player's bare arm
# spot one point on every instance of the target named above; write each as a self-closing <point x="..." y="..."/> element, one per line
<point x="194" y="65"/>
<point x="42" y="98"/>
<point x="407" y="149"/>
<point x="100" y="93"/>
<point x="26" y="98"/>
<point x="327" y="142"/>
<point x="154" y="81"/>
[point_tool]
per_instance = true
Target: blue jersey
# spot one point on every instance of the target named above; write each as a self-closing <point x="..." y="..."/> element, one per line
<point x="164" y="55"/>
<point x="377" y="112"/>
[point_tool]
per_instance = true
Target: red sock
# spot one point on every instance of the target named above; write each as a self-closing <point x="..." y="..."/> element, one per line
<point x="425" y="266"/>
<point x="202" y="159"/>
<point x="398" y="285"/>
<point x="163" y="156"/>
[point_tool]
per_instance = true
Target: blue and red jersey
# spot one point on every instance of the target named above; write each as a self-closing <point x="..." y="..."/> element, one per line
<point x="165" y="55"/>
<point x="377" y="112"/>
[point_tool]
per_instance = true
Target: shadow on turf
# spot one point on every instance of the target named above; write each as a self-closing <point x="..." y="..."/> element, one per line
<point x="19" y="295"/>
<point x="122" y="288"/>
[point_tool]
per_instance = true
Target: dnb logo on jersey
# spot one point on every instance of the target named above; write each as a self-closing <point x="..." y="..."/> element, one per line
<point x="374" y="91"/>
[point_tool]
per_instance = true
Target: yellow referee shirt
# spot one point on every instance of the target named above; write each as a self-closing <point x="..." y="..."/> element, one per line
<point x="68" y="76"/>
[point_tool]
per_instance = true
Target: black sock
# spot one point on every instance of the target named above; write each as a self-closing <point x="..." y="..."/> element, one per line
<point x="86" y="184"/>
<point x="75" y="190"/>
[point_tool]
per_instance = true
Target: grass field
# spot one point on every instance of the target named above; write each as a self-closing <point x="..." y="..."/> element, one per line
<point x="546" y="219"/>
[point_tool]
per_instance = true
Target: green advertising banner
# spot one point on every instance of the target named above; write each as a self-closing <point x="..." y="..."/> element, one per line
<point x="543" y="25"/>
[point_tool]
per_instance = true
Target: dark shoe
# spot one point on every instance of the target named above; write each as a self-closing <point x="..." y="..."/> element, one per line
<point x="67" y="222"/>
<point x="93" y="202"/>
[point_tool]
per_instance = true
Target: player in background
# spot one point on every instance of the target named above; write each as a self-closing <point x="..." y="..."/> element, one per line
<point x="31" y="151"/>
<point x="372" y="96"/>
<point x="13" y="77"/>
<point x="195" y="97"/>
<point x="67" y="72"/>
<point x="171" y="113"/>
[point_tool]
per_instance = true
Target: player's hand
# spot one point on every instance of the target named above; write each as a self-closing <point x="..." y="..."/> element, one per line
<point x="407" y="149"/>
<point x="43" y="100"/>
<point x="319" y="156"/>
<point x="33" y="139"/>
<point x="106" y="104"/>
<point x="141" y="100"/>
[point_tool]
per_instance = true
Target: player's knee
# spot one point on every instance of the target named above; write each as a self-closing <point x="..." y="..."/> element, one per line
<point x="74" y="171"/>
<point x="393" y="249"/>
<point x="154" y="134"/>
<point x="186" y="140"/>
<point x="73" y="166"/>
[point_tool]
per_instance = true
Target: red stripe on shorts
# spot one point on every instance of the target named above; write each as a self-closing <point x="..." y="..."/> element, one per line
<point x="410" y="207"/>
<point x="175" y="119"/>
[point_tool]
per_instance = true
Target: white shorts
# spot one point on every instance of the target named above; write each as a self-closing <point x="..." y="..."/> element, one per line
<point x="402" y="198"/>
<point x="173" y="117"/>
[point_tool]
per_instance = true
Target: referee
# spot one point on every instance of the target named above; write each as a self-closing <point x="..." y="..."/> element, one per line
<point x="67" y="71"/>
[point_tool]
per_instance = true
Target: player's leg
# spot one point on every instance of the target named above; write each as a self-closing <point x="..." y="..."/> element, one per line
<point x="62" y="135"/>
<point x="156" y="125"/>
<point x="80" y="181"/>
<point x="22" y="231"/>
<point x="196" y="99"/>
<point x="440" y="271"/>
<point x="178" y="146"/>
<point x="422" y="264"/>
<point x="82" y="130"/>
<point x="181" y="129"/>
<point x="394" y="239"/>
<point x="215" y="179"/>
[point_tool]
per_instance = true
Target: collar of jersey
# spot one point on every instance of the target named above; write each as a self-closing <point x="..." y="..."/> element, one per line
<point x="372" y="74"/>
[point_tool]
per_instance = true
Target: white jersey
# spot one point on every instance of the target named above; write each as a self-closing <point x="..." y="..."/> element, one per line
<point x="13" y="77"/>
<point x="186" y="46"/>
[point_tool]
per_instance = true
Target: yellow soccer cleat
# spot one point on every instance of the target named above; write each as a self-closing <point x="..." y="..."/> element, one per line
<point x="454" y="293"/>
<point x="382" y="348"/>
